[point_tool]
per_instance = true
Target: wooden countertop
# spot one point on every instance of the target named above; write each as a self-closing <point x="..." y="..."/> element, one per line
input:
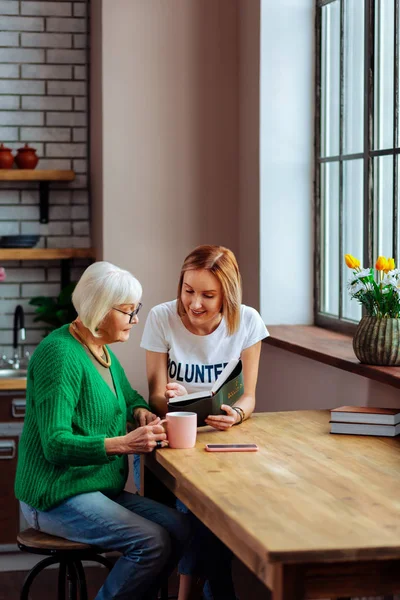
<point x="13" y="384"/>
<point x="305" y="496"/>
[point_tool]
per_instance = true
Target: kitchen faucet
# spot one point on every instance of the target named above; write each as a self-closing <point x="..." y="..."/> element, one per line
<point x="19" y="325"/>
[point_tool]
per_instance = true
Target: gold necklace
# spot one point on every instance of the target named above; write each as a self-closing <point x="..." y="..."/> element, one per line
<point x="105" y="363"/>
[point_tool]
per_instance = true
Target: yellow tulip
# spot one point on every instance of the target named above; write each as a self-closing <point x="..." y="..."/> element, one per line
<point x="390" y="265"/>
<point x="381" y="263"/>
<point x="351" y="261"/>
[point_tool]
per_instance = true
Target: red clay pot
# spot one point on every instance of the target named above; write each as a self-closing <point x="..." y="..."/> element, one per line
<point x="6" y="158"/>
<point x="26" y="158"/>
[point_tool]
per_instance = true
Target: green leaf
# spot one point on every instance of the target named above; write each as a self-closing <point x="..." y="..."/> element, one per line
<point x="42" y="301"/>
<point x="64" y="298"/>
<point x="55" y="311"/>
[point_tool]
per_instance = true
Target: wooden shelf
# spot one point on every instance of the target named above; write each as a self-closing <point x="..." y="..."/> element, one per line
<point x="35" y="175"/>
<point x="62" y="254"/>
<point x="45" y="253"/>
<point x="43" y="177"/>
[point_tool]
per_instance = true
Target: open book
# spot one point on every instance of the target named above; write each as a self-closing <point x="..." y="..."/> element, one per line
<point x="227" y="389"/>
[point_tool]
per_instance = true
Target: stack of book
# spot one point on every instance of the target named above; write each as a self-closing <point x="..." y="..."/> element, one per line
<point x="365" y="420"/>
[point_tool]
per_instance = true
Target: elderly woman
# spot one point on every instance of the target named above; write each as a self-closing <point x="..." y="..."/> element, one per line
<point x="72" y="464"/>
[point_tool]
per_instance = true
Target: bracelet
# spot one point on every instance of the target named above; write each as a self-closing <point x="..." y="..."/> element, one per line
<point x="240" y="412"/>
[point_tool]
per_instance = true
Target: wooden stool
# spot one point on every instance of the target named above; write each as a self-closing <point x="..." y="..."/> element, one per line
<point x="69" y="555"/>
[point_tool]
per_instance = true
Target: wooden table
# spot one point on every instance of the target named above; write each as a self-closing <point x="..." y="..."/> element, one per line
<point x="311" y="514"/>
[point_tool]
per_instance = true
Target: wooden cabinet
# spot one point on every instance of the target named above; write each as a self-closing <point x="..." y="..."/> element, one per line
<point x="12" y="412"/>
<point x="9" y="505"/>
<point x="12" y="407"/>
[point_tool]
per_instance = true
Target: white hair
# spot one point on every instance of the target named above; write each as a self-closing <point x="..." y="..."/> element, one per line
<point x="101" y="287"/>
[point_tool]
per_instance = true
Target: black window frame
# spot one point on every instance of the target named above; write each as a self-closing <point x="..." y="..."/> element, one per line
<point x="368" y="155"/>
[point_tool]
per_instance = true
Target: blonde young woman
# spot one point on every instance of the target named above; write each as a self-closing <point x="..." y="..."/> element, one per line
<point x="188" y="342"/>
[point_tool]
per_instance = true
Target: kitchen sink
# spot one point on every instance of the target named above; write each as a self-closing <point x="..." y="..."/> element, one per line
<point x="13" y="373"/>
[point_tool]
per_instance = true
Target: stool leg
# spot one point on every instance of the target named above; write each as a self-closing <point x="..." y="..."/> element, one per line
<point x="32" y="574"/>
<point x="81" y="580"/>
<point x="61" y="580"/>
<point x="72" y="578"/>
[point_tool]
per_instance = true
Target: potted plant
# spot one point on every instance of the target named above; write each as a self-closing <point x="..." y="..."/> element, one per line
<point x="55" y="311"/>
<point x="377" y="338"/>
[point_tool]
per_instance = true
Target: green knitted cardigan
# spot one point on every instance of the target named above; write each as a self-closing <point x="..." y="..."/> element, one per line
<point x="70" y="410"/>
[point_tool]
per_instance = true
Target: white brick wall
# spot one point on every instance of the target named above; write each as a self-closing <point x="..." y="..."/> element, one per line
<point x="59" y="9"/>
<point x="9" y="7"/>
<point x="45" y="72"/>
<point x="21" y="118"/>
<point x="18" y="86"/>
<point x="43" y="102"/>
<point x="46" y="40"/>
<point x="9" y="38"/>
<point x="69" y="119"/>
<point x="46" y="103"/>
<point x="10" y="71"/>
<point x="21" y="55"/>
<point x="21" y="23"/>
<point x="10" y="102"/>
<point x="46" y="134"/>
<point x="9" y="134"/>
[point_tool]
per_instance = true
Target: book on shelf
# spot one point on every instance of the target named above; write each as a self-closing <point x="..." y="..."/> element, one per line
<point x="227" y="389"/>
<point x="366" y="414"/>
<point x="365" y="429"/>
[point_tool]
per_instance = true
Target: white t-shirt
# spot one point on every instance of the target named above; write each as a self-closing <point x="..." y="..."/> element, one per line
<point x="195" y="361"/>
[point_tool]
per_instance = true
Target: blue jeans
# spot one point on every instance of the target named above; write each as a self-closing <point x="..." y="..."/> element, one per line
<point x="150" y="536"/>
<point x="205" y="556"/>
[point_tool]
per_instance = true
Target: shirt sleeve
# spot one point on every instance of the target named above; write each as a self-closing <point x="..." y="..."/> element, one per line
<point x="255" y="327"/>
<point x="56" y="397"/>
<point x="153" y="337"/>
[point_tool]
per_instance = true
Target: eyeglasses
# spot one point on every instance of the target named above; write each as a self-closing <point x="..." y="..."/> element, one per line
<point x="131" y="314"/>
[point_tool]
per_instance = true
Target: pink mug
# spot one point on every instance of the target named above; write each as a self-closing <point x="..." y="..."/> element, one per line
<point x="181" y="429"/>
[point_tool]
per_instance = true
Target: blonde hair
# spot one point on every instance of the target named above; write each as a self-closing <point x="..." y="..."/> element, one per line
<point x="101" y="287"/>
<point x="222" y="263"/>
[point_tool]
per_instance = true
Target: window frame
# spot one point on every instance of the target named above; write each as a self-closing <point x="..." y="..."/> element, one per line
<point x="368" y="155"/>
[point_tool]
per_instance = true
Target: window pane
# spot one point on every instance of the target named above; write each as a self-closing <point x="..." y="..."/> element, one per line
<point x="353" y="76"/>
<point x="330" y="238"/>
<point x="330" y="79"/>
<point x="353" y="228"/>
<point x="384" y="79"/>
<point x="383" y="206"/>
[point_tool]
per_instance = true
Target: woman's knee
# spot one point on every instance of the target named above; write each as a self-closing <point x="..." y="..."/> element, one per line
<point x="154" y="546"/>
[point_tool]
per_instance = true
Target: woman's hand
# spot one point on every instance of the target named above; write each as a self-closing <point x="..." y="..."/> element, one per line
<point x="223" y="422"/>
<point x="145" y="417"/>
<point x="174" y="389"/>
<point x="144" y="439"/>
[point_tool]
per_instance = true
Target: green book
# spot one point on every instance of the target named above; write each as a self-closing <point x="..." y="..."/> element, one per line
<point x="227" y="389"/>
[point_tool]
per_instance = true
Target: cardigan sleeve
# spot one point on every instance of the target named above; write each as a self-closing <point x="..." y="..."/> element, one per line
<point x="56" y="385"/>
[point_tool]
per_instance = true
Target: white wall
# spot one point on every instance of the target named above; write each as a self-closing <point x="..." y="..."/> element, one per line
<point x="291" y="382"/>
<point x="286" y="160"/>
<point x="169" y="141"/>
